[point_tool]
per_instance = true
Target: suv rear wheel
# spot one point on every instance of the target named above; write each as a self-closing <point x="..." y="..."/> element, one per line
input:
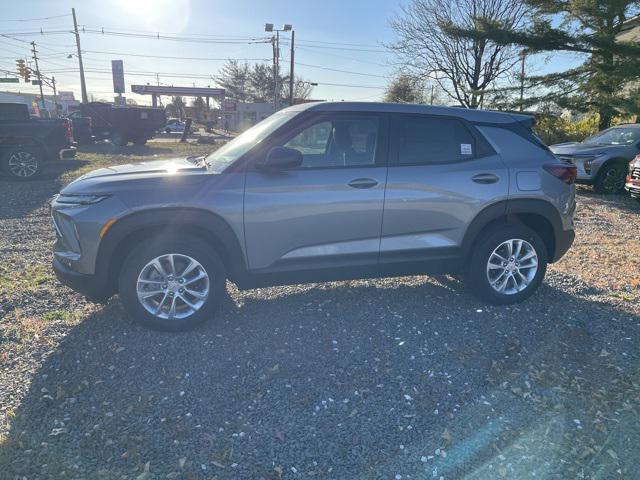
<point x="507" y="265"/>
<point x="172" y="284"/>
<point x="22" y="163"/>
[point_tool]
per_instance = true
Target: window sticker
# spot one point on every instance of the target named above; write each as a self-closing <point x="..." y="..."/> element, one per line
<point x="465" y="149"/>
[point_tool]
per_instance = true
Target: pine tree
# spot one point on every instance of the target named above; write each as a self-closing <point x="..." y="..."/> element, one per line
<point x="604" y="82"/>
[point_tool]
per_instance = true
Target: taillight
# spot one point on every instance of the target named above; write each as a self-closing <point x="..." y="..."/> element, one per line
<point x="566" y="173"/>
<point x="68" y="130"/>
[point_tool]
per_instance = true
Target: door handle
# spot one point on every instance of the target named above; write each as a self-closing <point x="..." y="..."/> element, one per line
<point x="363" y="183"/>
<point x="485" y="178"/>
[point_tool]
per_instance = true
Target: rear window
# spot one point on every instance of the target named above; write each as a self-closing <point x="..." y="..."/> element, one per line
<point x="426" y="140"/>
<point x="14" y="112"/>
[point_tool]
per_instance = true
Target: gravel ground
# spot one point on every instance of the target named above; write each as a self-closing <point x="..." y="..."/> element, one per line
<point x="406" y="378"/>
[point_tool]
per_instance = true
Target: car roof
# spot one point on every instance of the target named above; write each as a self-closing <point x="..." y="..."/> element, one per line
<point x="471" y="115"/>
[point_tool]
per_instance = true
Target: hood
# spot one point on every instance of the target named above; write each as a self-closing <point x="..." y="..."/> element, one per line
<point x="172" y="171"/>
<point x="577" y="148"/>
<point x="171" y="166"/>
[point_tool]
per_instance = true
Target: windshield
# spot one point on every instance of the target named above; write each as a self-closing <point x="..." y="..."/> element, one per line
<point x="219" y="160"/>
<point x="614" y="136"/>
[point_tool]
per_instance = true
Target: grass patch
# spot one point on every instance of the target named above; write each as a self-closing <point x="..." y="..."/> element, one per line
<point x="27" y="279"/>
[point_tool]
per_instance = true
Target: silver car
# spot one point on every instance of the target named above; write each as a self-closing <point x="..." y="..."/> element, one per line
<point x="603" y="159"/>
<point x="321" y="191"/>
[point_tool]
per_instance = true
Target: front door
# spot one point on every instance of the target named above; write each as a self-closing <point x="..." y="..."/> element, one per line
<point x="326" y="213"/>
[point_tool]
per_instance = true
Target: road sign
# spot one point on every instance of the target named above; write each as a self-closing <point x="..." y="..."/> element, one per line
<point x="186" y="91"/>
<point x="36" y="82"/>
<point x="229" y="106"/>
<point x="117" y="69"/>
<point x="10" y="80"/>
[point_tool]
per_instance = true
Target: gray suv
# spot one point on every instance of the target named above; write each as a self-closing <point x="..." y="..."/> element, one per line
<point x="603" y="159"/>
<point x="316" y="192"/>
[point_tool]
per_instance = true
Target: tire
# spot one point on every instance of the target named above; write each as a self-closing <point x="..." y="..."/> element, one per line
<point x="184" y="250"/>
<point x="139" y="141"/>
<point x="119" y="139"/>
<point x="167" y="130"/>
<point x="23" y="163"/>
<point x="478" y="276"/>
<point x="610" y="179"/>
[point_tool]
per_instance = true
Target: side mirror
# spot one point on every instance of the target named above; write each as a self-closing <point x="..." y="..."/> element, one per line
<point x="282" y="158"/>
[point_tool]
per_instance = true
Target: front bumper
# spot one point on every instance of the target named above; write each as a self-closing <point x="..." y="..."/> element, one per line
<point x="67" y="153"/>
<point x="91" y="286"/>
<point x="633" y="187"/>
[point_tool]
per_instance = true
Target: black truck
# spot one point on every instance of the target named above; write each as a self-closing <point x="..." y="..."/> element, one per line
<point x="122" y="125"/>
<point x="27" y="143"/>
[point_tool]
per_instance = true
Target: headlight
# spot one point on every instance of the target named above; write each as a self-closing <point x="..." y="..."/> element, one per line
<point x="79" y="199"/>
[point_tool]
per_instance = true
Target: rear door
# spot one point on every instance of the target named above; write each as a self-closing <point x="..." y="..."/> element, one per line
<point x="442" y="173"/>
<point x="328" y="212"/>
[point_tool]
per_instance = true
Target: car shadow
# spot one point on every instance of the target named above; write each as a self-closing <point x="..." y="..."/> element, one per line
<point x="409" y="377"/>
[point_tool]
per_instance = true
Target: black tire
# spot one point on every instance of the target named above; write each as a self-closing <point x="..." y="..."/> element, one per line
<point x="119" y="139"/>
<point x="476" y="277"/>
<point x="140" y="141"/>
<point x="23" y="163"/>
<point x="190" y="246"/>
<point x="610" y="179"/>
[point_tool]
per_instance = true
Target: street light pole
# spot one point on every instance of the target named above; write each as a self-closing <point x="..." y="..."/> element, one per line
<point x="268" y="27"/>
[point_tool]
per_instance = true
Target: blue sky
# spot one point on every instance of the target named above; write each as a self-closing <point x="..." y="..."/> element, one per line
<point x="356" y="28"/>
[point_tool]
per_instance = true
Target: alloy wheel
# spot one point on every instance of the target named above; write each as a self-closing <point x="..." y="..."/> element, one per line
<point x="173" y="286"/>
<point x="512" y="266"/>
<point x="613" y="179"/>
<point x="23" y="164"/>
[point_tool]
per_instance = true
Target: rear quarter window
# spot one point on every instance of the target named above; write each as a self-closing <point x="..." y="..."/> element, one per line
<point x="512" y="146"/>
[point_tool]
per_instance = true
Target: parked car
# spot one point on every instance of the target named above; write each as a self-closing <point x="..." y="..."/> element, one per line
<point x="82" y="128"/>
<point x="122" y="125"/>
<point x="27" y="143"/>
<point x="321" y="191"/>
<point x="632" y="184"/>
<point x="175" y="126"/>
<point x="602" y="159"/>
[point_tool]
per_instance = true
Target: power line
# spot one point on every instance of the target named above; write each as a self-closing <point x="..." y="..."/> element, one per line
<point x="177" y="58"/>
<point x="36" y="19"/>
<point x="342" y="71"/>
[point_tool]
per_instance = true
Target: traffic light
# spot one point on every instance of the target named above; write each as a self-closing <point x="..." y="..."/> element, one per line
<point x="23" y="70"/>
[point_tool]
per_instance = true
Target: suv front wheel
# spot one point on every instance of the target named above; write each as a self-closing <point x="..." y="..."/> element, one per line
<point x="172" y="284"/>
<point x="507" y="265"/>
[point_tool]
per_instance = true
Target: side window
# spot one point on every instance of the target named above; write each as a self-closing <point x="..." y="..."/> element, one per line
<point x="428" y="140"/>
<point x="338" y="141"/>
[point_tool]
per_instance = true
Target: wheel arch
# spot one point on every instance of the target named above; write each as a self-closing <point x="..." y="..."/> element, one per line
<point x="539" y="215"/>
<point x="136" y="227"/>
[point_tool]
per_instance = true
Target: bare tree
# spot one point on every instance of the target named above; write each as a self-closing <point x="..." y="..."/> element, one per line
<point x="462" y="67"/>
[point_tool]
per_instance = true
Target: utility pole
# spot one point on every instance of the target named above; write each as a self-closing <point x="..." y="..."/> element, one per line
<point x="291" y="74"/>
<point x="523" y="56"/>
<point x="35" y="59"/>
<point x="55" y="94"/>
<point x="432" y="93"/>
<point x="83" y="85"/>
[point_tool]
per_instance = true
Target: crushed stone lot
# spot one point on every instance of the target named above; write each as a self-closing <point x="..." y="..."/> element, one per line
<point x="403" y="378"/>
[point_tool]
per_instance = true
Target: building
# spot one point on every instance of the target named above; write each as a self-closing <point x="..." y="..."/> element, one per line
<point x="630" y="30"/>
<point x="239" y="116"/>
<point x="66" y="103"/>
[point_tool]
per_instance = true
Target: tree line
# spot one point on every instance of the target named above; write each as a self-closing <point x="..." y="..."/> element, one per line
<point x="475" y="53"/>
